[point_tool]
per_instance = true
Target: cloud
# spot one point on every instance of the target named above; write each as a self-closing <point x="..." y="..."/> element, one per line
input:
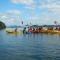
<point x="14" y="12"/>
<point x="44" y="11"/>
<point x="26" y="2"/>
<point x="29" y="4"/>
<point x="3" y="16"/>
<point x="39" y="3"/>
<point x="55" y="11"/>
<point x="11" y="17"/>
<point x="52" y="9"/>
<point x="49" y="3"/>
<point x="49" y="6"/>
<point x="6" y="19"/>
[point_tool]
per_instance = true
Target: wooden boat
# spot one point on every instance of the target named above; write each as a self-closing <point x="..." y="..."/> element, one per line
<point x="52" y="32"/>
<point x="45" y="31"/>
<point x="13" y="32"/>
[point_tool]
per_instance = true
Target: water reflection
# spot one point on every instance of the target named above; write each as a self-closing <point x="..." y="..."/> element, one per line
<point x="29" y="47"/>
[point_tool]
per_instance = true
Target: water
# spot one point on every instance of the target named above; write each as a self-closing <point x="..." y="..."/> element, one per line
<point x="29" y="47"/>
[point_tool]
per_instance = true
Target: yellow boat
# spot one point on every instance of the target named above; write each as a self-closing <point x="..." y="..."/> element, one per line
<point x="52" y="31"/>
<point x="13" y="32"/>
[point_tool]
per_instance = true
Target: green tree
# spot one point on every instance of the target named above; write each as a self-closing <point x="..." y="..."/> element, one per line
<point x="2" y="25"/>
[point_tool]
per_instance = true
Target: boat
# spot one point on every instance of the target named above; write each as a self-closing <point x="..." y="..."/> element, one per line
<point x="44" y="31"/>
<point x="13" y="32"/>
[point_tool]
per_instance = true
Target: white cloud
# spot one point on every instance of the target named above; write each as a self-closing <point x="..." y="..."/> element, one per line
<point x="14" y="12"/>
<point x="39" y="3"/>
<point x="52" y="7"/>
<point x="11" y="17"/>
<point x="49" y="3"/>
<point x="55" y="11"/>
<point x="4" y="17"/>
<point x="49" y="6"/>
<point x="27" y="2"/>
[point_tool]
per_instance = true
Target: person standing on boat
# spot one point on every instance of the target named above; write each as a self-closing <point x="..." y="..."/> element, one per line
<point x="16" y="30"/>
<point x="24" y="30"/>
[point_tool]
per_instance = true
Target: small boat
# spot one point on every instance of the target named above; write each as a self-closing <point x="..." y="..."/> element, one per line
<point x="13" y="32"/>
<point x="9" y="31"/>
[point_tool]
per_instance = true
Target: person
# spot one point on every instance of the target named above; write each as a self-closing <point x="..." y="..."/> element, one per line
<point x="24" y="30"/>
<point x="16" y="30"/>
<point x="30" y="29"/>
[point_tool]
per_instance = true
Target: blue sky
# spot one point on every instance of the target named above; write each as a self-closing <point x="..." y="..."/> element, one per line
<point x="40" y="12"/>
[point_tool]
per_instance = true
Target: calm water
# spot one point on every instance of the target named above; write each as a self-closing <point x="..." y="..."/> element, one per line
<point x="29" y="47"/>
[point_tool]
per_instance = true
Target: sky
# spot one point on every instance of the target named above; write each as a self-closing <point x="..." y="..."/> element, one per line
<point x="41" y="12"/>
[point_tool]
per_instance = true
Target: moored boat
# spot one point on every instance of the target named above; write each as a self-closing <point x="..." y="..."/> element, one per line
<point x="41" y="30"/>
